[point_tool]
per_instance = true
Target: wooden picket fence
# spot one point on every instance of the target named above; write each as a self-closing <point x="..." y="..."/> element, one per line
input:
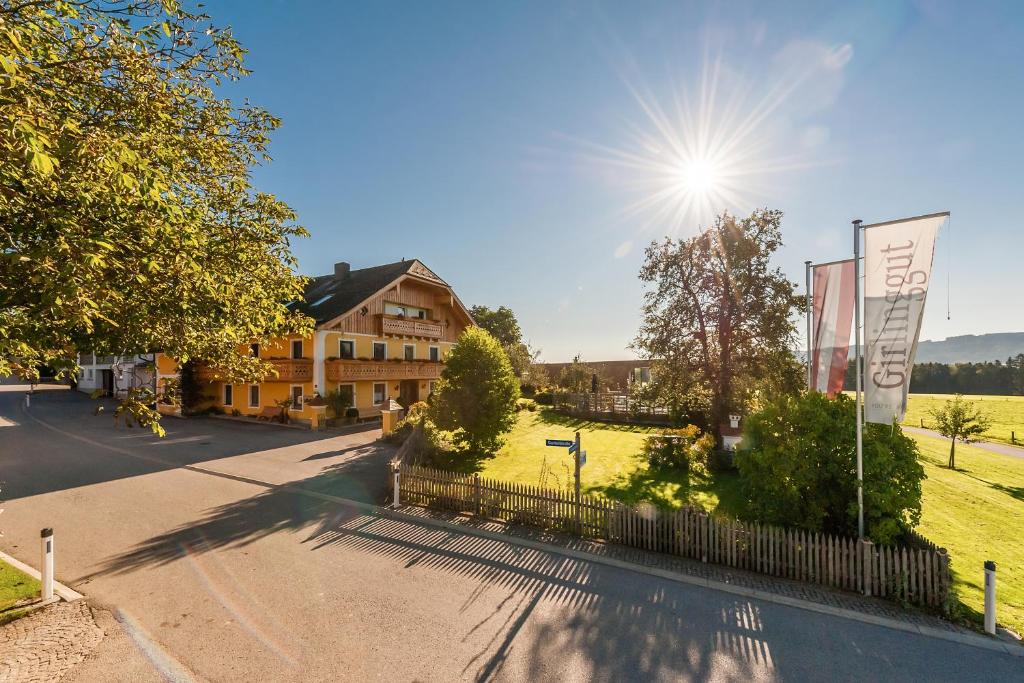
<point x="917" y="574"/>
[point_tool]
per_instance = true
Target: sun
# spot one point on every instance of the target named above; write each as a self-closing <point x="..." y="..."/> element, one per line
<point x="699" y="176"/>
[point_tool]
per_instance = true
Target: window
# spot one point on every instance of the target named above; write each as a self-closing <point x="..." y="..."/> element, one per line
<point x="378" y="393"/>
<point x="296" y="348"/>
<point x="90" y="374"/>
<point x="296" y="397"/>
<point x="229" y="391"/>
<point x="254" y="395"/>
<point x="405" y="311"/>
<point x="380" y="351"/>
<point x="254" y="350"/>
<point x="348" y="394"/>
<point x="410" y="352"/>
<point x="346" y="349"/>
<point x="435" y="354"/>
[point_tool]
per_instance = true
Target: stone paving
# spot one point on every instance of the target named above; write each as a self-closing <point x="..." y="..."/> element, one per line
<point x="47" y="643"/>
<point x="694" y="568"/>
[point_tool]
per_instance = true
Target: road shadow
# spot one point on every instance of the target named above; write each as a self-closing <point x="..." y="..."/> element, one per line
<point x="83" y="448"/>
<point x="622" y="633"/>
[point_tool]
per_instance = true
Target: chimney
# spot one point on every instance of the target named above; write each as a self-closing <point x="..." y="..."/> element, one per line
<point x="341" y="270"/>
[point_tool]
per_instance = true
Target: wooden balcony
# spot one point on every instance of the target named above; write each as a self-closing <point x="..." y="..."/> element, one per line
<point x="410" y="327"/>
<point x="288" y="370"/>
<point x="292" y="370"/>
<point x="376" y="370"/>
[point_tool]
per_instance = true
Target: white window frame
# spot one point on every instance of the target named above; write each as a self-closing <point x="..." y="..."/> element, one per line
<point x="374" y="350"/>
<point x="291" y="395"/>
<point x="431" y="350"/>
<point x="258" y="395"/>
<point x="291" y="350"/>
<point x="384" y="394"/>
<point x="355" y="395"/>
<point x="224" y="394"/>
<point x="347" y="341"/>
<point x="406" y="347"/>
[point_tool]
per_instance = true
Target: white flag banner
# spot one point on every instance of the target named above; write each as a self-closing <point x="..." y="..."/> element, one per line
<point x="897" y="270"/>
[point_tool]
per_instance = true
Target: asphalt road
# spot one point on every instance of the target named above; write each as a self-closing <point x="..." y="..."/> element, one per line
<point x="217" y="572"/>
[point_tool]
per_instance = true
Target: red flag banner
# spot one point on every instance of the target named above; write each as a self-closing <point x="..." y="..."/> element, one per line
<point x="831" y="322"/>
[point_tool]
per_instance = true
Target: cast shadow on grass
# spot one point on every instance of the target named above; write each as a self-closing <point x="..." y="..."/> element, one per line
<point x="718" y="492"/>
<point x="550" y="417"/>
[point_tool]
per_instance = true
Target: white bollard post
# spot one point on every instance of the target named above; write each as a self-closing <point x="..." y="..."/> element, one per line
<point x="28" y="400"/>
<point x="46" y="590"/>
<point x="396" y="502"/>
<point x="990" y="597"/>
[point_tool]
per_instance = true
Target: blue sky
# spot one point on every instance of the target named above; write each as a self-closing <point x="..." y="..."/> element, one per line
<point x="515" y="148"/>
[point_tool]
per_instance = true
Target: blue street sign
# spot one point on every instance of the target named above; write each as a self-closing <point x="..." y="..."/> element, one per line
<point x="558" y="442"/>
<point x="572" y="447"/>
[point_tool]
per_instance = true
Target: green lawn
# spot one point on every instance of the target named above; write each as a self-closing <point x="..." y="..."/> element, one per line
<point x="14" y="586"/>
<point x="615" y="464"/>
<point x="1006" y="413"/>
<point x="977" y="513"/>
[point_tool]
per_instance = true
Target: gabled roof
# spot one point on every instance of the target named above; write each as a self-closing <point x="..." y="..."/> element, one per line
<point x="328" y="297"/>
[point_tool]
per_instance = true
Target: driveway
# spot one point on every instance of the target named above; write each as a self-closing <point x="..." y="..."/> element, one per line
<point x="222" y="560"/>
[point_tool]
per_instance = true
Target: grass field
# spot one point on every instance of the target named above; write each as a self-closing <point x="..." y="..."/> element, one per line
<point x="977" y="513"/>
<point x="1006" y="413"/>
<point x="14" y="586"/>
<point x="615" y="465"/>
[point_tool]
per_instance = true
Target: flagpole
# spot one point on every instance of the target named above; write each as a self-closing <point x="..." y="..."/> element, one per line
<point x="858" y="364"/>
<point x="807" y="268"/>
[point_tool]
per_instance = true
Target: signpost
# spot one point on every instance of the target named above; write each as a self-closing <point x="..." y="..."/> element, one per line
<point x="580" y="459"/>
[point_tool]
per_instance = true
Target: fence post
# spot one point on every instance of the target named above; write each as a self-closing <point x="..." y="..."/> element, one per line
<point x="944" y="580"/>
<point x="476" y="493"/>
<point x="866" y="547"/>
<point x="396" y="469"/>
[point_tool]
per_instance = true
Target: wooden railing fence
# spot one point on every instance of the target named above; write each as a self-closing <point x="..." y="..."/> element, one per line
<point x="917" y="575"/>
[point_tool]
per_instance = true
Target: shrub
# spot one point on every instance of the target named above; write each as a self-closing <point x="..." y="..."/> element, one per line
<point x="544" y="398"/>
<point x="527" y="390"/>
<point x="671" y="448"/>
<point x="338" y="403"/>
<point x="477" y="393"/>
<point x="526" y="404"/>
<point x="352" y="412"/>
<point x="801" y="469"/>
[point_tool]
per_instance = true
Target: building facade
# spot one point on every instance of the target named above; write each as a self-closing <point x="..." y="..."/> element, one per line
<point x="381" y="333"/>
<point x="115" y="375"/>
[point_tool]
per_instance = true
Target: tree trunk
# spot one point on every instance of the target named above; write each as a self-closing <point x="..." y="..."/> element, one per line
<point x="952" y="450"/>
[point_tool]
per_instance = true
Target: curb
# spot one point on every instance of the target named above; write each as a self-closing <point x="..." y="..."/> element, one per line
<point x="59" y="589"/>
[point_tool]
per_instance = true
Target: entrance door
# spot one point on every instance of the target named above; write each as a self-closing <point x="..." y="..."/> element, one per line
<point x="409" y="392"/>
<point x="108" y="382"/>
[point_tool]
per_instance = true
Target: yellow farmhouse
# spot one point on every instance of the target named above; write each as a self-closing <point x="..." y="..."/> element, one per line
<point x="381" y="332"/>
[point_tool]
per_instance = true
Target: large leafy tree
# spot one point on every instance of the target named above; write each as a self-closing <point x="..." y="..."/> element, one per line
<point x="798" y="467"/>
<point x="502" y="324"/>
<point x="476" y="396"/>
<point x="718" y="316"/>
<point x="128" y="221"/>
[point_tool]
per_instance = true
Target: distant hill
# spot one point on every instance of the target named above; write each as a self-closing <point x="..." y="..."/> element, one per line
<point x="971" y="348"/>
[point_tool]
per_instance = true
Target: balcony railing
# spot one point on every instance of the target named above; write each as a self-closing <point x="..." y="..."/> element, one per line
<point x="411" y="327"/>
<point x="288" y="370"/>
<point x="353" y="370"/>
